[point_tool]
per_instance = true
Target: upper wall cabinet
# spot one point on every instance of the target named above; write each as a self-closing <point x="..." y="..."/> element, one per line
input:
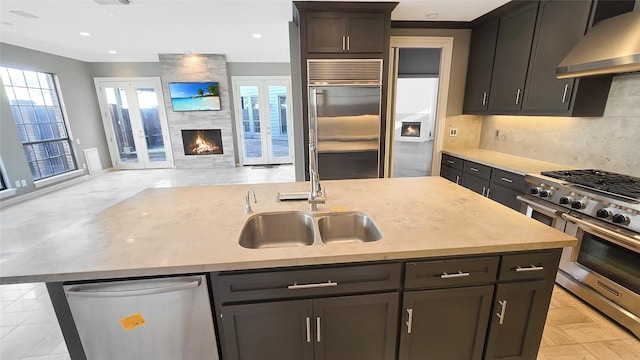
<point x="483" y="47"/>
<point x="532" y="39"/>
<point x="332" y="32"/>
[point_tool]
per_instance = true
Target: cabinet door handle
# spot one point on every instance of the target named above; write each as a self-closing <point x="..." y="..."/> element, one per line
<point x="343" y="42"/>
<point x="530" y="268"/>
<point x="507" y="180"/>
<point x="409" y="321"/>
<point x="564" y="95"/>
<point x="458" y="179"/>
<point x="484" y="189"/>
<point x="308" y="329"/>
<point x="503" y="304"/>
<point x="484" y="98"/>
<point x="488" y="192"/>
<point x="454" y="275"/>
<point x="518" y="96"/>
<point x="474" y="169"/>
<point x="348" y="43"/>
<point x="318" y="327"/>
<point x="295" y="286"/>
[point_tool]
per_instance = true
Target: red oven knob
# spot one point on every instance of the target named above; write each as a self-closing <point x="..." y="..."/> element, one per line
<point x="603" y="213"/>
<point x="620" y="219"/>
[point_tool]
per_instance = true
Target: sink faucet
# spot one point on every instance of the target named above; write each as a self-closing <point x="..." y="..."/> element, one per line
<point x="316" y="195"/>
<point x="247" y="208"/>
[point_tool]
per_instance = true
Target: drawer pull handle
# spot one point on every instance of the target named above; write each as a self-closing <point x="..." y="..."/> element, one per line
<point x="455" y="275"/>
<point x="503" y="304"/>
<point x="474" y="169"/>
<point x="530" y="268"/>
<point x="409" y="321"/>
<point x="507" y="180"/>
<point x="451" y="162"/>
<point x="308" y="329"/>
<point x="295" y="286"/>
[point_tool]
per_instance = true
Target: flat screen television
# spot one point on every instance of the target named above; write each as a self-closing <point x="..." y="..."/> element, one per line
<point x="194" y="96"/>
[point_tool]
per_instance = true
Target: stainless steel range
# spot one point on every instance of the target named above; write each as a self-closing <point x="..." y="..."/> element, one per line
<point x="602" y="210"/>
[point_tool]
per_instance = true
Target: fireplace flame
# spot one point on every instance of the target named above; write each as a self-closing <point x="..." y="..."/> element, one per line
<point x="202" y="146"/>
<point x="410" y="130"/>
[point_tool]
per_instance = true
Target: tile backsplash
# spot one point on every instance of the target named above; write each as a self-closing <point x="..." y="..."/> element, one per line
<point x="610" y="142"/>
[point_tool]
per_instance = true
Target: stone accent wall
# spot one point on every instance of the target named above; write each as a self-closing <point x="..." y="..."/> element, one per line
<point x="610" y="142"/>
<point x="198" y="68"/>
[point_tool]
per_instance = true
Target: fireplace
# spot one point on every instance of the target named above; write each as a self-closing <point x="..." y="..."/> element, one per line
<point x="202" y="142"/>
<point x="410" y="129"/>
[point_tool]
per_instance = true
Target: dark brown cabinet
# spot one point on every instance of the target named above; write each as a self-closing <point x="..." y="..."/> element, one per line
<point x="445" y="323"/>
<point x="333" y="32"/>
<point x="496" y="184"/>
<point x="513" y="47"/>
<point x="351" y="327"/>
<point x="481" y="53"/>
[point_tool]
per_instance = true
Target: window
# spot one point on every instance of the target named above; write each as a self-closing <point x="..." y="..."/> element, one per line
<point x="38" y="116"/>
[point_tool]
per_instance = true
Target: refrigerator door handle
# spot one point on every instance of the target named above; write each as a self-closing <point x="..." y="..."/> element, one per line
<point x="79" y="291"/>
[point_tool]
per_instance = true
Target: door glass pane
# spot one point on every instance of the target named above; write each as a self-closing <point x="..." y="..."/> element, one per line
<point x="251" y="121"/>
<point x="119" y="110"/>
<point x="279" y="120"/>
<point x="148" y="102"/>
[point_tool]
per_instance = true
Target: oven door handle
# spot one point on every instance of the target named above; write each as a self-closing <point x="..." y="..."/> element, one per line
<point x="536" y="205"/>
<point x="614" y="237"/>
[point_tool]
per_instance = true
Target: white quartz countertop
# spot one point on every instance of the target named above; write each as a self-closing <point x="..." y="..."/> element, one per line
<point x="196" y="229"/>
<point x="512" y="163"/>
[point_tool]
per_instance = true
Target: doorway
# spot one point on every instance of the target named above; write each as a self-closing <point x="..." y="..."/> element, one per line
<point x="135" y="122"/>
<point x="263" y="119"/>
<point x="419" y="81"/>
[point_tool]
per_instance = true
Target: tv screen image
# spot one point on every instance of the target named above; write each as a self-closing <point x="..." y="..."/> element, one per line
<point x="195" y="96"/>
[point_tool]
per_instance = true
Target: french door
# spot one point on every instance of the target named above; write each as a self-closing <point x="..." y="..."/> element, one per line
<point x="263" y="119"/>
<point x="135" y="122"/>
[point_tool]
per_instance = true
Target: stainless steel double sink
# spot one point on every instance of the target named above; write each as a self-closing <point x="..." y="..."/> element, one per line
<point x="298" y="228"/>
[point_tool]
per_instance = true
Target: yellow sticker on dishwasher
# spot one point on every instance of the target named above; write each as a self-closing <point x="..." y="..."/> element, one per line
<point x="133" y="321"/>
<point x="339" y="208"/>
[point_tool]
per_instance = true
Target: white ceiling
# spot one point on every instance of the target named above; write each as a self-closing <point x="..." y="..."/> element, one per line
<point x="146" y="28"/>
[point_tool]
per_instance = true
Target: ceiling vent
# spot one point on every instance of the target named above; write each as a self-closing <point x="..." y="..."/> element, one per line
<point x="113" y="2"/>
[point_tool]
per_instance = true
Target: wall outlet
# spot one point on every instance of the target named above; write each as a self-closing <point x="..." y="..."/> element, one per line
<point x="17" y="183"/>
<point x="23" y="182"/>
<point x="78" y="141"/>
<point x="453" y="132"/>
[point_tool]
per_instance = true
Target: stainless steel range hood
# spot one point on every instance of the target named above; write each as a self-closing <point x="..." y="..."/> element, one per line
<point x="611" y="46"/>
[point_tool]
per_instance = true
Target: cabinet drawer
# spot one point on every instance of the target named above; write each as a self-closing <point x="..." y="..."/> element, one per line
<point x="526" y="266"/>
<point x="508" y="179"/>
<point x="445" y="273"/>
<point x="452" y="161"/>
<point x="235" y="287"/>
<point x="479" y="170"/>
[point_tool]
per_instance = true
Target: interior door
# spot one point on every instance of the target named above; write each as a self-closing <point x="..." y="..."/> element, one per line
<point x="135" y="122"/>
<point x="263" y="119"/>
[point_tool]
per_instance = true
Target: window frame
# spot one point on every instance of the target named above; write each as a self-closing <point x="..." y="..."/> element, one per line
<point x="65" y="155"/>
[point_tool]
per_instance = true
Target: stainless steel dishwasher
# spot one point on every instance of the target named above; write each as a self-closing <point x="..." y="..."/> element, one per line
<point x="160" y="318"/>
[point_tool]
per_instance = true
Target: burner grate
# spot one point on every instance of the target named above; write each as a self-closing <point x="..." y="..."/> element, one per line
<point x="613" y="183"/>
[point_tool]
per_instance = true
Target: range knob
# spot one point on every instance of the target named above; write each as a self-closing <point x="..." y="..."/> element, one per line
<point x="603" y="213"/>
<point x="578" y="204"/>
<point x="535" y="190"/>
<point x="620" y="219"/>
<point x="545" y="193"/>
<point x="565" y="200"/>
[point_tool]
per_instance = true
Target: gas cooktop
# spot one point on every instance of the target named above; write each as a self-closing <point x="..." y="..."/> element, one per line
<point x="603" y="181"/>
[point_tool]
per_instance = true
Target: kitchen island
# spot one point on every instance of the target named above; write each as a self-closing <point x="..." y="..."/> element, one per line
<point x="196" y="230"/>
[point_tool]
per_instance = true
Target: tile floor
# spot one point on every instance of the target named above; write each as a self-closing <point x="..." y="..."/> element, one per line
<point x="29" y="330"/>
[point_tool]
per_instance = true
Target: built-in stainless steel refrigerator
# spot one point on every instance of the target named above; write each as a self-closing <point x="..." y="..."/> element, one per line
<point x="161" y="318"/>
<point x="344" y="101"/>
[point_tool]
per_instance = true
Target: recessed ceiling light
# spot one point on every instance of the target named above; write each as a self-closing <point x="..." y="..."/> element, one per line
<point x="432" y="16"/>
<point x="6" y="23"/>
<point x="257" y="36"/>
<point x="23" y="14"/>
<point x="112" y="52"/>
<point x="85" y="34"/>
